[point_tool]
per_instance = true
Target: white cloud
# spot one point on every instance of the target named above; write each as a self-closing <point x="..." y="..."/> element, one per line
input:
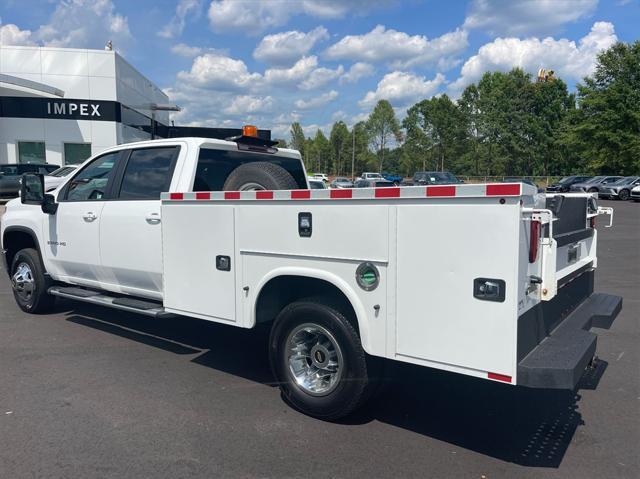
<point x="317" y="101"/>
<point x="287" y="47"/>
<point x="401" y="88"/>
<point x="247" y="104"/>
<point x="10" y="34"/>
<point x="569" y="60"/>
<point x="320" y="77"/>
<point x="218" y="72"/>
<point x="297" y="73"/>
<point x="84" y="24"/>
<point x="184" y="9"/>
<point x="398" y="48"/>
<point x="185" y="50"/>
<point x="357" y="71"/>
<point x="253" y="17"/>
<point x="526" y="17"/>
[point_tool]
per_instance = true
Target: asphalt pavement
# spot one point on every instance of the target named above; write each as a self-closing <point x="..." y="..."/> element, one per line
<point x="88" y="392"/>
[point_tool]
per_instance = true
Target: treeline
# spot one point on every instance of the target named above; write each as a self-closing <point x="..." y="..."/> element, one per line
<point x="506" y="124"/>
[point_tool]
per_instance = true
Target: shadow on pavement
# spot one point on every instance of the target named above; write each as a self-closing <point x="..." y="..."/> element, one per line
<point x="529" y="427"/>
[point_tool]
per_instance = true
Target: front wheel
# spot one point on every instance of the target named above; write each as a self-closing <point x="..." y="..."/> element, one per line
<point x="318" y="360"/>
<point x="593" y="190"/>
<point x="29" y="282"/>
<point x="624" y="195"/>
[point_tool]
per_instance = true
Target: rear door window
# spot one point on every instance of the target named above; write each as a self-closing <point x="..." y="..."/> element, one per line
<point x="148" y="173"/>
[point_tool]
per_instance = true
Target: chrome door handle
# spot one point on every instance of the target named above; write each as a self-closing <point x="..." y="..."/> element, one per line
<point x="90" y="216"/>
<point x="153" y="218"/>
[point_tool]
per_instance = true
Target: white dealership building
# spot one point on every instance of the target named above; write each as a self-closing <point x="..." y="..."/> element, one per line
<point x="61" y="105"/>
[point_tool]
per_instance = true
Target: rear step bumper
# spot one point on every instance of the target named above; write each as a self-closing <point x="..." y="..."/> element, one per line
<point x="148" y="308"/>
<point x="559" y="361"/>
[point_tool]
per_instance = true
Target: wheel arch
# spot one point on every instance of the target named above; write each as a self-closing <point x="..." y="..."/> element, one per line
<point x="304" y="282"/>
<point x="15" y="238"/>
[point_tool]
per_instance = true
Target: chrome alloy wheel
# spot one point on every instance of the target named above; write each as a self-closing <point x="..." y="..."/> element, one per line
<point x="23" y="282"/>
<point x="315" y="359"/>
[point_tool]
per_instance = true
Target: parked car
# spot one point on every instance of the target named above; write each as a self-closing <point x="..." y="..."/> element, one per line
<point x="515" y="179"/>
<point x="564" y="185"/>
<point x="317" y="184"/>
<point x="320" y="176"/>
<point x="620" y="190"/>
<point x="375" y="183"/>
<point x="10" y="176"/>
<point x="57" y="177"/>
<point x="341" y="182"/>
<point x="635" y="193"/>
<point x="434" y="178"/>
<point x="593" y="185"/>
<point x="369" y="175"/>
<point x="395" y="179"/>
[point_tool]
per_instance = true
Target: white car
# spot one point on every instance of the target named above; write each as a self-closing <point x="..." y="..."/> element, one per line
<point x="320" y="176"/>
<point x="635" y="193"/>
<point x="57" y="177"/>
<point x="368" y="175"/>
<point x="230" y="232"/>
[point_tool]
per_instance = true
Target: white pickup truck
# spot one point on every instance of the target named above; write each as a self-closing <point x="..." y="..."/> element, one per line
<point x="488" y="280"/>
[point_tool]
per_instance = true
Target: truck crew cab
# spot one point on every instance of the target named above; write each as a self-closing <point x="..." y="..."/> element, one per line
<point x="492" y="280"/>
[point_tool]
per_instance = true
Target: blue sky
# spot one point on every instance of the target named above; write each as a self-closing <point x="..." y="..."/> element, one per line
<point x="230" y="62"/>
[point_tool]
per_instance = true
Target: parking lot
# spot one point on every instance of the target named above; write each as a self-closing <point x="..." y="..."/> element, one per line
<point x="89" y="392"/>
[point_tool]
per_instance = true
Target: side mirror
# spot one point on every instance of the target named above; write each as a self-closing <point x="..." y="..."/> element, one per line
<point x="32" y="193"/>
<point x="32" y="189"/>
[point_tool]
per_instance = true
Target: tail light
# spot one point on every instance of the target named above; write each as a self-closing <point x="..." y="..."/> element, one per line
<point x="534" y="241"/>
<point x="592" y="221"/>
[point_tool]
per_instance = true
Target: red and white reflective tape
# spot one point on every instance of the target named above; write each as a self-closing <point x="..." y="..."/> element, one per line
<point x="436" y="191"/>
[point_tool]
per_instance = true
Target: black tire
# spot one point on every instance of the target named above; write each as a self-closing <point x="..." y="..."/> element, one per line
<point x="593" y="190"/>
<point x="624" y="195"/>
<point x="352" y="388"/>
<point x="259" y="175"/>
<point x="32" y="273"/>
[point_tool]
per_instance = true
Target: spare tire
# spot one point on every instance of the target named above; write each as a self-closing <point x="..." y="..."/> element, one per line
<point x="259" y="175"/>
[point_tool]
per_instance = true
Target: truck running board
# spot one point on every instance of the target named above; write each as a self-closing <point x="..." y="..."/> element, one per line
<point x="148" y="308"/>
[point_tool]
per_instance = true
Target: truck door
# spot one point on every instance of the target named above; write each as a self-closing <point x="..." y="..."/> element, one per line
<point x="131" y="230"/>
<point x="72" y="240"/>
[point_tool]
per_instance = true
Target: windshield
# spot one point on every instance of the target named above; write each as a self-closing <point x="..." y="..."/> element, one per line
<point x="625" y="181"/>
<point x="595" y="179"/>
<point x="435" y="177"/>
<point x="64" y="171"/>
<point x="566" y="179"/>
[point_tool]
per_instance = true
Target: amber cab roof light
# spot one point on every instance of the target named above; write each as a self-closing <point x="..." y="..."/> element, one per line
<point x="250" y="141"/>
<point x="250" y="130"/>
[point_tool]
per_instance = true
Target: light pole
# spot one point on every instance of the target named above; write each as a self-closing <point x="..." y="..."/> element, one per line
<point x="159" y="107"/>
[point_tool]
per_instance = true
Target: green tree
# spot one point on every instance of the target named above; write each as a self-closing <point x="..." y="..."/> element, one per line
<point x="319" y="154"/>
<point x="298" y="140"/>
<point x="339" y="138"/>
<point x="439" y="124"/>
<point x="382" y="127"/>
<point x="605" y="127"/>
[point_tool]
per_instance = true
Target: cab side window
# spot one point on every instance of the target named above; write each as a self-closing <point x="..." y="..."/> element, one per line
<point x="148" y="173"/>
<point x="92" y="182"/>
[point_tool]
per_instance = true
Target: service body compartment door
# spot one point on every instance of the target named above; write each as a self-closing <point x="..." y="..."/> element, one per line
<point x="196" y="281"/>
<point x="442" y="250"/>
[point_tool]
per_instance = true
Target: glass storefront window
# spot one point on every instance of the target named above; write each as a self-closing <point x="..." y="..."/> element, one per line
<point x="76" y="153"/>
<point x="31" y="152"/>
